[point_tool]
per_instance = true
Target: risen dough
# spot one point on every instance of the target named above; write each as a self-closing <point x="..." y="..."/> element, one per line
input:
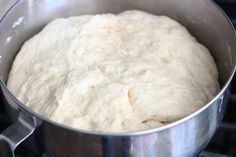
<point x="114" y="73"/>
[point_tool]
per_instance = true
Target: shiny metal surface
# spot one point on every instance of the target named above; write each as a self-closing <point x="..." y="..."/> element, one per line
<point x="5" y="149"/>
<point x="5" y="5"/>
<point x="15" y="134"/>
<point x="184" y="138"/>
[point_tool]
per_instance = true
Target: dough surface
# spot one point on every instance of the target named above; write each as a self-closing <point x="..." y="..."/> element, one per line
<point x="114" y="73"/>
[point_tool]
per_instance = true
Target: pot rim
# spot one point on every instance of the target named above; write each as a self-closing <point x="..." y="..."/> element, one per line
<point x="129" y="133"/>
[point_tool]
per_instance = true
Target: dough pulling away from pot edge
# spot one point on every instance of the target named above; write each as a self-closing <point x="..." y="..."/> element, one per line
<point x="114" y="73"/>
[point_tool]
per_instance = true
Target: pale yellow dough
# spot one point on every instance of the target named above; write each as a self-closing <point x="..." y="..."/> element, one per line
<point x="114" y="73"/>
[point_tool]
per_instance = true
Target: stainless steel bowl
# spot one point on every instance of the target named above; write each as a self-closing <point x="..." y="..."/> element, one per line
<point x="184" y="138"/>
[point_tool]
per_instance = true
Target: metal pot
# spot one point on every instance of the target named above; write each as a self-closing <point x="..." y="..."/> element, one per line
<point x="183" y="138"/>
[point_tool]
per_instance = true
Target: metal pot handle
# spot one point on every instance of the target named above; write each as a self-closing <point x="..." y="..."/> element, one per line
<point x="15" y="134"/>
